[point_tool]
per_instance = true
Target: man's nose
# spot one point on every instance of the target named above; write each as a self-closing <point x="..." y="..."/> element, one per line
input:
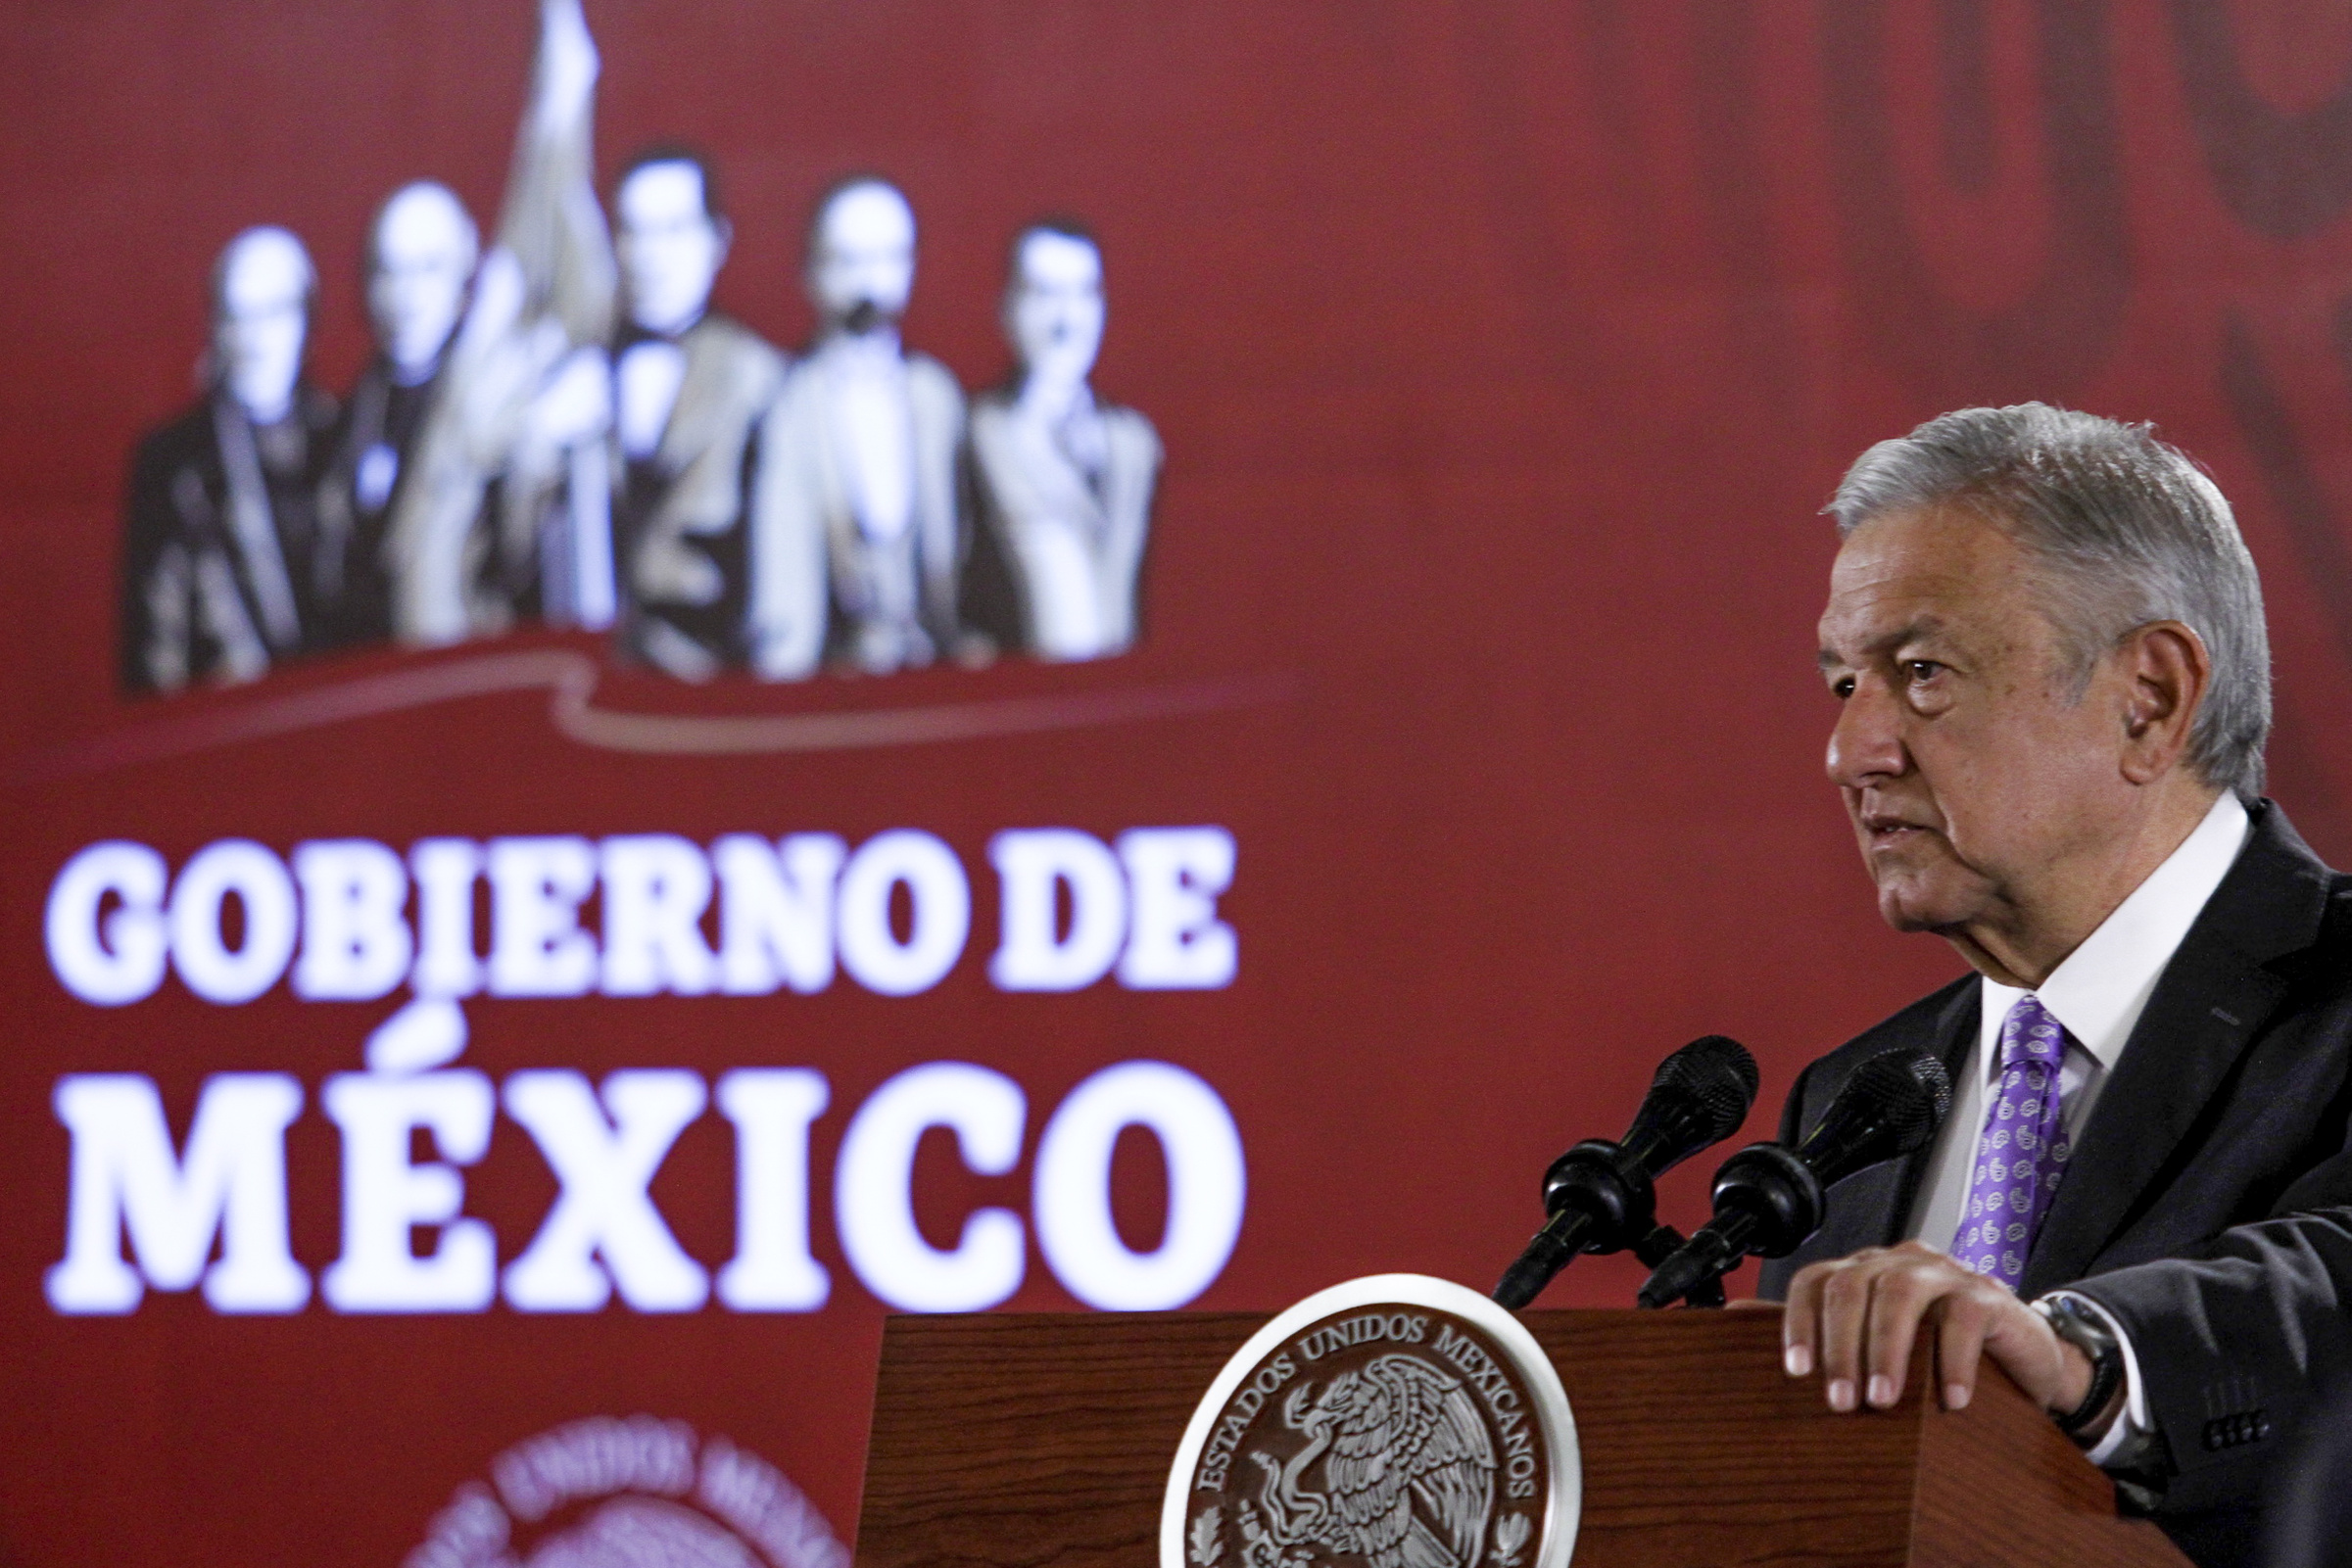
<point x="1866" y="743"/>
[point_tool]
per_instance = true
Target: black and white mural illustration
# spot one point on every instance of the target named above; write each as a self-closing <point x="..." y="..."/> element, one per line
<point x="556" y="429"/>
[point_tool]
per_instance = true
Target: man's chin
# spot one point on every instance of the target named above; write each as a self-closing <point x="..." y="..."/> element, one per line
<point x="1918" y="904"/>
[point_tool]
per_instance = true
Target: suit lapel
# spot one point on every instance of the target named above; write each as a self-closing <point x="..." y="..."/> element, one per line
<point x="693" y="417"/>
<point x="2213" y="997"/>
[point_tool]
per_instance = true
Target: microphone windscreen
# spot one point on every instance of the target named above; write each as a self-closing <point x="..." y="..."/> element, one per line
<point x="1718" y="1073"/>
<point x="1912" y="1091"/>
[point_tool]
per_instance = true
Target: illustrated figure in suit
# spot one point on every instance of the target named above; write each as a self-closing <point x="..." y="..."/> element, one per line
<point x="219" y="570"/>
<point x="2046" y="640"/>
<point x="856" y="548"/>
<point x="1061" y="482"/>
<point x="692" y="389"/>
<point x="503" y="512"/>
<point x="421" y="252"/>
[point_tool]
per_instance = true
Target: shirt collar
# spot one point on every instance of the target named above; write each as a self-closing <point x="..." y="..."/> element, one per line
<point x="877" y="352"/>
<point x="2099" y="990"/>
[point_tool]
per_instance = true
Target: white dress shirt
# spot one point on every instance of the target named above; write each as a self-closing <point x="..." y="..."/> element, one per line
<point x="651" y="374"/>
<point x="2096" y="995"/>
<point x="873" y="427"/>
<point x="1061" y="547"/>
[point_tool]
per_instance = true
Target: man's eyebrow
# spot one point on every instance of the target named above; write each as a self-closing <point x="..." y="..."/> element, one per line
<point x="1909" y="632"/>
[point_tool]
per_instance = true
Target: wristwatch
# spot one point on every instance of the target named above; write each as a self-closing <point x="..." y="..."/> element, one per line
<point x="2081" y="1328"/>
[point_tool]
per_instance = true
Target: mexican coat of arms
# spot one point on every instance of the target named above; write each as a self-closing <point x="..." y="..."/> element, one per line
<point x="1403" y="1432"/>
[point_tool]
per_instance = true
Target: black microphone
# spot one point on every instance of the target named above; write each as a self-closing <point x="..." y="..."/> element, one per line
<point x="1598" y="1194"/>
<point x="1769" y="1198"/>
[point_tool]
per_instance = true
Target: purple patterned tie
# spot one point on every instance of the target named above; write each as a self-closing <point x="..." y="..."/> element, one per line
<point x="2022" y="1152"/>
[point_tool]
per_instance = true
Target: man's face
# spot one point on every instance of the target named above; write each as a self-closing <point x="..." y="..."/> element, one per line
<point x="259" y="320"/>
<point x="1054" y="311"/>
<point x="668" y="245"/>
<point x="424" y="257"/>
<point x="1968" y="766"/>
<point x="863" y="265"/>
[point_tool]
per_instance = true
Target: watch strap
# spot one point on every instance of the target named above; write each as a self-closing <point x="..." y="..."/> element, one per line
<point x="2074" y="1323"/>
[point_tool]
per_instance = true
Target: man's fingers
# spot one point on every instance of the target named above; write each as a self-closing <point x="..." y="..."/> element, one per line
<point x="1959" y="1346"/>
<point x="1857" y="1321"/>
<point x="1900" y="1296"/>
<point x="1912" y="1280"/>
<point x="1845" y="1318"/>
<point x="1799" y="1320"/>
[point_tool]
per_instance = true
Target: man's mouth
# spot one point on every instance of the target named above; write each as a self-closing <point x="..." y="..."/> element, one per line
<point x="1887" y="831"/>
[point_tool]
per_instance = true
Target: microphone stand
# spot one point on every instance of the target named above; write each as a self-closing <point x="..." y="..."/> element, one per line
<point x="1663" y="1243"/>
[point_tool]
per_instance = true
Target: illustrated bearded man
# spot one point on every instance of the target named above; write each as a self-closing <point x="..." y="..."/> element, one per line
<point x="692" y="389"/>
<point x="2046" y="640"/>
<point x="220" y="569"/>
<point x="857" y="548"/>
<point x="1061" y="480"/>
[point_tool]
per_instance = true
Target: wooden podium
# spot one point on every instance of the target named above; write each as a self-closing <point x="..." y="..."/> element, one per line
<point x="1044" y="1441"/>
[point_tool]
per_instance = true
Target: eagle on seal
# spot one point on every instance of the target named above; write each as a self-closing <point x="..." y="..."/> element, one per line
<point x="1409" y="1469"/>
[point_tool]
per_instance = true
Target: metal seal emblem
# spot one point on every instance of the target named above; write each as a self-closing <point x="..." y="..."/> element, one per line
<point x="1395" y="1421"/>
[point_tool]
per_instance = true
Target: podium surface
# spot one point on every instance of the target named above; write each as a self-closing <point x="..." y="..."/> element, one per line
<point x="1044" y="1441"/>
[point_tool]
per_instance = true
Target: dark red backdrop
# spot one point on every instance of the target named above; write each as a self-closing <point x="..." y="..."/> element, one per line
<point x="1503" y="352"/>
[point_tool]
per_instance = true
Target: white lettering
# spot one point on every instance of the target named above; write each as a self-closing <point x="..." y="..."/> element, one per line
<point x="199" y="949"/>
<point x="231" y="1184"/>
<point x="594" y="1457"/>
<point x="384" y="1194"/>
<point x="428" y="1033"/>
<point x="445" y="869"/>
<point x="772" y="1270"/>
<point x="119" y="959"/>
<point x="874" y="1201"/>
<point x="753" y="1495"/>
<point x="1206" y="1184"/>
<point x="535" y="945"/>
<point x="1033" y="864"/>
<point x="940" y="901"/>
<point x="603" y="1211"/>
<point x="355" y="944"/>
<point x="656" y="887"/>
<point x="1174" y="939"/>
<point x="776" y="911"/>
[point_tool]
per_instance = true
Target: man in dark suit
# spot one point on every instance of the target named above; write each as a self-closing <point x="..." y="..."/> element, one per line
<point x="857" y="542"/>
<point x="220" y="532"/>
<point x="690" y="389"/>
<point x="1059" y="482"/>
<point x="2046" y="639"/>
<point x="421" y="252"/>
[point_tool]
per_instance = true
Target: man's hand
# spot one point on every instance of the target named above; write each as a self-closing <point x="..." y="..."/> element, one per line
<point x="1857" y="1318"/>
<point x="576" y="404"/>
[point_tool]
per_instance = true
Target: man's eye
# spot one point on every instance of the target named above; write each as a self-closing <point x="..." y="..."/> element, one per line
<point x="1922" y="669"/>
<point x="1842" y="687"/>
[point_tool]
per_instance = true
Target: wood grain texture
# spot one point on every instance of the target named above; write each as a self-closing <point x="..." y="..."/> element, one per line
<point x="1043" y="1441"/>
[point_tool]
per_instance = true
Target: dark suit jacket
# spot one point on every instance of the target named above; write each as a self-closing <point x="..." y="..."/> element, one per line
<point x="191" y="609"/>
<point x="2208" y="1202"/>
<point x="352" y="579"/>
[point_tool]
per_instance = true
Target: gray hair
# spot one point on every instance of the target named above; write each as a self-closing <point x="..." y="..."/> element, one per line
<point x="2132" y="532"/>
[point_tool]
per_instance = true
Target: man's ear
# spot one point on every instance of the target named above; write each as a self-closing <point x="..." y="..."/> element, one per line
<point x="2167" y="672"/>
